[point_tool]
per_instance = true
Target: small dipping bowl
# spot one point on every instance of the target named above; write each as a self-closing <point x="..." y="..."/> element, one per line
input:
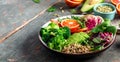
<point x="105" y="15"/>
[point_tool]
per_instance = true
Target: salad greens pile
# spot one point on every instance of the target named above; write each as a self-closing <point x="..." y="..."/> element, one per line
<point x="57" y="37"/>
<point x="101" y="27"/>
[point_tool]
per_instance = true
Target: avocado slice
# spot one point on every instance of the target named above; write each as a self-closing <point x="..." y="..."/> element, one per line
<point x="89" y="4"/>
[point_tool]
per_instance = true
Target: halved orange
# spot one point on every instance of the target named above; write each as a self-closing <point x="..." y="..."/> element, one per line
<point x="118" y="8"/>
<point x="72" y="24"/>
<point x="115" y="2"/>
<point x="73" y="3"/>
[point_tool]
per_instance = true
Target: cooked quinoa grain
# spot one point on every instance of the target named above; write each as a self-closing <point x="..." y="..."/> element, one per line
<point x="104" y="9"/>
<point x="76" y="48"/>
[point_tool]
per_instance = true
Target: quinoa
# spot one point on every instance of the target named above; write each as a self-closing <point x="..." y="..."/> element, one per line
<point x="104" y="9"/>
<point x="76" y="48"/>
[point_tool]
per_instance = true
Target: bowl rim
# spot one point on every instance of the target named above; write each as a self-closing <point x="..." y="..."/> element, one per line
<point x="44" y="44"/>
<point x="103" y="4"/>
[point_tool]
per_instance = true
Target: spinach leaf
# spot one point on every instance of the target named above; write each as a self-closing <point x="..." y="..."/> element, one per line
<point x="97" y="40"/>
<point x="75" y="17"/>
<point x="51" y="9"/>
<point x="96" y="48"/>
<point x="111" y="29"/>
<point x="101" y="27"/>
<point x="36" y="1"/>
<point x="73" y="11"/>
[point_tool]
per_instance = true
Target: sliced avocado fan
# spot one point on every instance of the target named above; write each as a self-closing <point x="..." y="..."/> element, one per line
<point x="89" y="4"/>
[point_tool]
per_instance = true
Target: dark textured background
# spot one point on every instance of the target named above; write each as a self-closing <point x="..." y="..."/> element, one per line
<point x="24" y="45"/>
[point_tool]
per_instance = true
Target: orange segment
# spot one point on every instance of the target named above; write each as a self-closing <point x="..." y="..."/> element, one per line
<point x="82" y="30"/>
<point x="115" y="2"/>
<point x="73" y="3"/>
<point x="72" y="24"/>
<point x="118" y="8"/>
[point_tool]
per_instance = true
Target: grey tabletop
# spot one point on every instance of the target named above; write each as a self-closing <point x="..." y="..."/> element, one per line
<point x="20" y="22"/>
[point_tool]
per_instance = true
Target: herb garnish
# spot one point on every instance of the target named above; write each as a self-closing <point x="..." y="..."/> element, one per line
<point x="51" y="9"/>
<point x="73" y="11"/>
<point x="36" y="1"/>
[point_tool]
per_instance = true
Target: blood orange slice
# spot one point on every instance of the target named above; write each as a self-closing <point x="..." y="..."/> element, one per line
<point x="72" y="24"/>
<point x="115" y="2"/>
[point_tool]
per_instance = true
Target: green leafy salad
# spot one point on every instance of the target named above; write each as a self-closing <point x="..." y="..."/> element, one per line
<point x="78" y="34"/>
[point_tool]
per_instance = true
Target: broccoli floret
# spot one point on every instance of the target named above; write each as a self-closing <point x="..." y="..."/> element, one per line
<point x="45" y="35"/>
<point x="48" y="32"/>
<point x="57" y="43"/>
<point x="54" y="32"/>
<point x="55" y="36"/>
<point x="52" y="26"/>
<point x="66" y="32"/>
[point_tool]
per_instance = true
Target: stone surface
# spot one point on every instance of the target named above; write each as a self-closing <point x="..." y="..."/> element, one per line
<point x="14" y="13"/>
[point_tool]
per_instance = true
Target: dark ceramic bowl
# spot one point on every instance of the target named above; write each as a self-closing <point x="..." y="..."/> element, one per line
<point x="84" y="55"/>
